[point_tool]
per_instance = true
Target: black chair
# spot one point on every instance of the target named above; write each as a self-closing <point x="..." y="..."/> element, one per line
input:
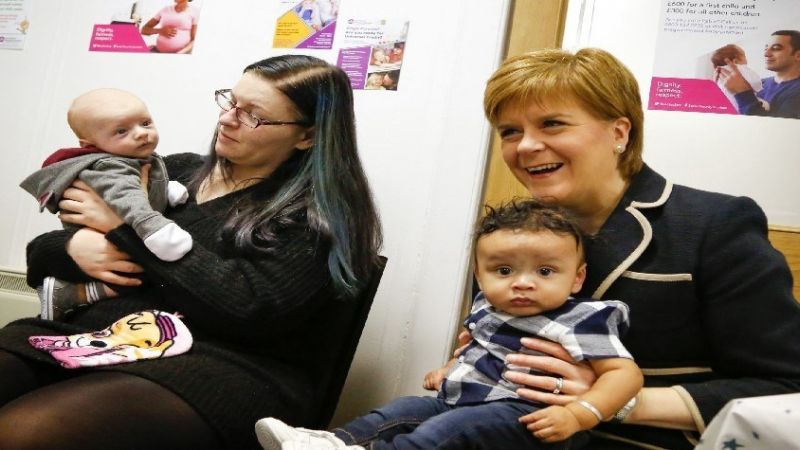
<point x="351" y="316"/>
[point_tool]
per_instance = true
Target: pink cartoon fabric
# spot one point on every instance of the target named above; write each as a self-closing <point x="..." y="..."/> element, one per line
<point x="142" y="335"/>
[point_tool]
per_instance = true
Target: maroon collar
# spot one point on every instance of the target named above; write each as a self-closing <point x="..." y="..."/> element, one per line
<point x="67" y="153"/>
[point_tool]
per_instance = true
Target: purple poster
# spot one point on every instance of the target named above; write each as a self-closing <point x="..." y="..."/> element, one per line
<point x="309" y="24"/>
<point x="372" y="53"/>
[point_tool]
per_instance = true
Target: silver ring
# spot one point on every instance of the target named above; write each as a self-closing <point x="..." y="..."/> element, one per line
<point x="559" y="385"/>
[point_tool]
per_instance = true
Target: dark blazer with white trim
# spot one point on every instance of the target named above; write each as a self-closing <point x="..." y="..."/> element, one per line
<point x="712" y="310"/>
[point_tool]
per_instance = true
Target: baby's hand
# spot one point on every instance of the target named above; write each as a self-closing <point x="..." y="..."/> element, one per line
<point x="433" y="379"/>
<point x="464" y="338"/>
<point x="552" y="424"/>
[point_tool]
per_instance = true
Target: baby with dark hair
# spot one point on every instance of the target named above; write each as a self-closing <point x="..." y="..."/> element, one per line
<point x="528" y="262"/>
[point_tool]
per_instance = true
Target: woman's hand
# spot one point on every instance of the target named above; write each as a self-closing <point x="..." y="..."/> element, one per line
<point x="82" y="206"/>
<point x="168" y="32"/>
<point x="576" y="378"/>
<point x="100" y="259"/>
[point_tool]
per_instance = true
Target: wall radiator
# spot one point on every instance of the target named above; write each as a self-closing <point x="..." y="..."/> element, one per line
<point x="17" y="299"/>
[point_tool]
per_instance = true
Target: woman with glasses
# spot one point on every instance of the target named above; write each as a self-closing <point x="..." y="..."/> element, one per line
<point x="284" y="229"/>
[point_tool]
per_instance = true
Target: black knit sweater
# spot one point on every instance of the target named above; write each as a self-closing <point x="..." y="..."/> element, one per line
<point x="254" y="317"/>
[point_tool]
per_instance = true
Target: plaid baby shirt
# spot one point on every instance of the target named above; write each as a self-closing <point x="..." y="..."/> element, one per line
<point x="587" y="329"/>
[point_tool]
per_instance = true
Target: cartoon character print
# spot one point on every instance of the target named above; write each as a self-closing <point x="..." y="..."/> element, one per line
<point x="142" y="335"/>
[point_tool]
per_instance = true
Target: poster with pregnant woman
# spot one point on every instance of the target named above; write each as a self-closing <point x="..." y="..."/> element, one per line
<point x="146" y="26"/>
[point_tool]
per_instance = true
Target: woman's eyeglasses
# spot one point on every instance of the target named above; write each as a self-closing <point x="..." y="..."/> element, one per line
<point x="225" y="101"/>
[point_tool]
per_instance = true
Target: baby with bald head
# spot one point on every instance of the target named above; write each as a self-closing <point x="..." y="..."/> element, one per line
<point x="117" y="139"/>
<point x="115" y="121"/>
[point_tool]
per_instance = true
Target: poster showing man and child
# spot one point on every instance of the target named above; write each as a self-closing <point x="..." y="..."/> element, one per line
<point x="728" y="57"/>
<point x="146" y="26"/>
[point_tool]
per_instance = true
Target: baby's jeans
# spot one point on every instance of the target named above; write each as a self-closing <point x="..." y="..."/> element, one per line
<point x="429" y="423"/>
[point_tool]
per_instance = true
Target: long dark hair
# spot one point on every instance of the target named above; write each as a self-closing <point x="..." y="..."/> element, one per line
<point x="329" y="185"/>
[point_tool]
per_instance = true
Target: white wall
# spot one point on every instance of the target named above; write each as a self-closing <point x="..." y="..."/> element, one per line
<point x="742" y="155"/>
<point x="424" y="146"/>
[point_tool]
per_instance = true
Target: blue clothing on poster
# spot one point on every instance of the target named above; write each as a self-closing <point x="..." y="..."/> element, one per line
<point x="783" y="99"/>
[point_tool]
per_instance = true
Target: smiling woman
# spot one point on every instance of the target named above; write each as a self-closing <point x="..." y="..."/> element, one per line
<point x="580" y="168"/>
<point x="696" y="268"/>
<point x="594" y="145"/>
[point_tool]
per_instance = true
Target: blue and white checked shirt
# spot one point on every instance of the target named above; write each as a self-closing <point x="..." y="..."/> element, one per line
<point x="587" y="329"/>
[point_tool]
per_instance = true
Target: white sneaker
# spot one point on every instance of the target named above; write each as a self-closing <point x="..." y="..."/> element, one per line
<point x="300" y="445"/>
<point x="275" y="435"/>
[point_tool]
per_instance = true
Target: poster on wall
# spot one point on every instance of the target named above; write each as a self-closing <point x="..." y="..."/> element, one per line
<point x="309" y="24"/>
<point x="372" y="53"/>
<point x="728" y="57"/>
<point x="146" y="26"/>
<point x="14" y="23"/>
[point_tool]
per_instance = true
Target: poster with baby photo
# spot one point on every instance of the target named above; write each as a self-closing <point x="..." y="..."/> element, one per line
<point x="307" y="24"/>
<point x="728" y="57"/>
<point x="146" y="26"/>
<point x="14" y="23"/>
<point x="372" y="53"/>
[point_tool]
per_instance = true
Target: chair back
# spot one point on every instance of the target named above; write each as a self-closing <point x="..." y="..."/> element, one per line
<point x="351" y="316"/>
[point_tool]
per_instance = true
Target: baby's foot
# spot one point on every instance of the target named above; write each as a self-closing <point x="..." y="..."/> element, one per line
<point x="59" y="298"/>
<point x="275" y="435"/>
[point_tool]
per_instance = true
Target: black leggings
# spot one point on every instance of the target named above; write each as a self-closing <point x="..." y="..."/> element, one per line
<point x="42" y="407"/>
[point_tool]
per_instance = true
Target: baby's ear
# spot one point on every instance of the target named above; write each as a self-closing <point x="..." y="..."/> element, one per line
<point x="476" y="275"/>
<point x="580" y="277"/>
<point x="85" y="144"/>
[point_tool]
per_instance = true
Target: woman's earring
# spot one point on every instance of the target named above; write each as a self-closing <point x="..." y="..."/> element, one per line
<point x="619" y="149"/>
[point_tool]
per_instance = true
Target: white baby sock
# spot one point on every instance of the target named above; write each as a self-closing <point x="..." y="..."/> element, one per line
<point x="169" y="243"/>
<point x="176" y="193"/>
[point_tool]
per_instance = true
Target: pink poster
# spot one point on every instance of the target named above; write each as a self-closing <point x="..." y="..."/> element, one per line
<point x="146" y="26"/>
<point x="738" y="57"/>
